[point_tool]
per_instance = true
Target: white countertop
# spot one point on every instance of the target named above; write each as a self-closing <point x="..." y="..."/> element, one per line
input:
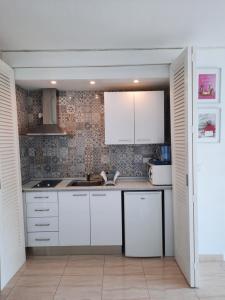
<point x="123" y="184"/>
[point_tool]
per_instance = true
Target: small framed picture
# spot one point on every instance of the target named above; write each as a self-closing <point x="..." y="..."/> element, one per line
<point x="209" y="125"/>
<point x="208" y="85"/>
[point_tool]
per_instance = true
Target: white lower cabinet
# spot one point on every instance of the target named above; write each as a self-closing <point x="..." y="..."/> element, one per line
<point x="41" y="212"/>
<point x="74" y="218"/>
<point x="106" y="218"/>
<point x="81" y="218"/>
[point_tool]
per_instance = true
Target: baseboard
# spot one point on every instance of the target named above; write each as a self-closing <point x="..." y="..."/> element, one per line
<point x="74" y="250"/>
<point x="210" y="258"/>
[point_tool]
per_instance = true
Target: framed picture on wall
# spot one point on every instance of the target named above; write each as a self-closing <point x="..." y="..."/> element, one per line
<point x="208" y="85"/>
<point x="209" y="125"/>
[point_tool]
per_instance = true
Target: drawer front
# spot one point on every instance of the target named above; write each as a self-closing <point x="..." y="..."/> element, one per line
<point x="40" y="197"/>
<point x="42" y="224"/>
<point x="39" y="239"/>
<point x="40" y="210"/>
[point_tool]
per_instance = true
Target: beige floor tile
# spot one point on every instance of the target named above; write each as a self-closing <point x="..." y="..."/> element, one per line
<point x="212" y="298"/>
<point x="10" y="285"/>
<point x="38" y="280"/>
<point x="181" y="294"/>
<point x="4" y="294"/>
<point x="126" y="282"/>
<point x="79" y="281"/>
<point x="127" y="269"/>
<point x="162" y="272"/>
<point x="118" y="260"/>
<point x="125" y="293"/>
<point x="211" y="291"/>
<point x="56" y="258"/>
<point x="44" y="268"/>
<point x="120" y="265"/>
<point x="159" y="262"/>
<point x="86" y="261"/>
<point x="73" y="269"/>
<point x="166" y="284"/>
<point x="32" y="293"/>
<point x="98" y="258"/>
<point x="211" y="268"/>
<point x="78" y="293"/>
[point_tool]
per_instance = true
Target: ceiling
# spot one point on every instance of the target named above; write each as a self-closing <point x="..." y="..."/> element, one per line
<point x="101" y="85"/>
<point x="115" y="24"/>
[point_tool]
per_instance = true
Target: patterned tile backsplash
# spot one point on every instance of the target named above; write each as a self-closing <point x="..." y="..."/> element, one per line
<point x="83" y="151"/>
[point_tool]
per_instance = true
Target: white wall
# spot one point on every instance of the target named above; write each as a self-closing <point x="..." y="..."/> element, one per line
<point x="211" y="171"/>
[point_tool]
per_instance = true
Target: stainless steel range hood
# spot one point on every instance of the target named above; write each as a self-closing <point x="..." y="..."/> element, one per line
<point x="49" y="107"/>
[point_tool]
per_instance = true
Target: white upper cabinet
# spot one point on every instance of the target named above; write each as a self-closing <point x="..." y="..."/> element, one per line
<point x="134" y="117"/>
<point x="119" y="118"/>
<point x="149" y="117"/>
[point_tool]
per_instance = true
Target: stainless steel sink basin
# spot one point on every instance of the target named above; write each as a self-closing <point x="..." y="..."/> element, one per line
<point x="85" y="183"/>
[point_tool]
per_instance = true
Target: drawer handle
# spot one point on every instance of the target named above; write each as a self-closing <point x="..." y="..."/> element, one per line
<point x="79" y="195"/>
<point x="142" y="198"/>
<point x="99" y="195"/>
<point x="42" y="240"/>
<point x="47" y="209"/>
<point x="41" y="197"/>
<point x="47" y="224"/>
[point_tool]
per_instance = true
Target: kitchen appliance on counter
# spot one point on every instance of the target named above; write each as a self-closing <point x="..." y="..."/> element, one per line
<point x="159" y="173"/>
<point x="48" y="183"/>
<point x="159" y="168"/>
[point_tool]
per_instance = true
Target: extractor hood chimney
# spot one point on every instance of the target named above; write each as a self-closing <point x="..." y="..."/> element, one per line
<point x="49" y="108"/>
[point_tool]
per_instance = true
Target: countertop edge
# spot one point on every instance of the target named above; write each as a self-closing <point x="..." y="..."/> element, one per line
<point x="122" y="185"/>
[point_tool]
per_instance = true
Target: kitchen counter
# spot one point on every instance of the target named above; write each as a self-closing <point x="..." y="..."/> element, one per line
<point x="123" y="184"/>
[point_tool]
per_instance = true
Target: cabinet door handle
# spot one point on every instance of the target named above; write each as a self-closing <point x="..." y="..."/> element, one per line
<point x="41" y="197"/>
<point x="42" y="240"/>
<point x="99" y="195"/>
<point x="79" y="195"/>
<point x="144" y="140"/>
<point x="124" y="140"/>
<point x="47" y="209"/>
<point x="46" y="224"/>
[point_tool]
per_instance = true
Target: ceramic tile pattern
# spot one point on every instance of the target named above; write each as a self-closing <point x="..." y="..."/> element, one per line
<point x="83" y="151"/>
<point x="91" y="277"/>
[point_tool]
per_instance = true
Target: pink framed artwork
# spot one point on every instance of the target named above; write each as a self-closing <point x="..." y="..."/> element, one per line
<point x="208" y="85"/>
<point x="209" y="125"/>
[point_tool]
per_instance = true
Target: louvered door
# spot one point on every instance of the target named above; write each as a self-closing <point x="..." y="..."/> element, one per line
<point x="183" y="163"/>
<point x="11" y="208"/>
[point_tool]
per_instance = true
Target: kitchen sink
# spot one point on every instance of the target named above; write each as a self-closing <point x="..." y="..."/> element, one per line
<point x="85" y="183"/>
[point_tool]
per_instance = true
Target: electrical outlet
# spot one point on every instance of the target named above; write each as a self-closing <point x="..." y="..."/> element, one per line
<point x="145" y="160"/>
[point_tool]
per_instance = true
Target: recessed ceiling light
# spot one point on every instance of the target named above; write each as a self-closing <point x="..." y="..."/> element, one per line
<point x="136" y="81"/>
<point x="92" y="82"/>
<point x="53" y="82"/>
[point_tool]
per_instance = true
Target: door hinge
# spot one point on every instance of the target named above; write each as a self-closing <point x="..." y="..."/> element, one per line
<point x="194" y="198"/>
<point x="186" y="179"/>
<point x="193" y="56"/>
